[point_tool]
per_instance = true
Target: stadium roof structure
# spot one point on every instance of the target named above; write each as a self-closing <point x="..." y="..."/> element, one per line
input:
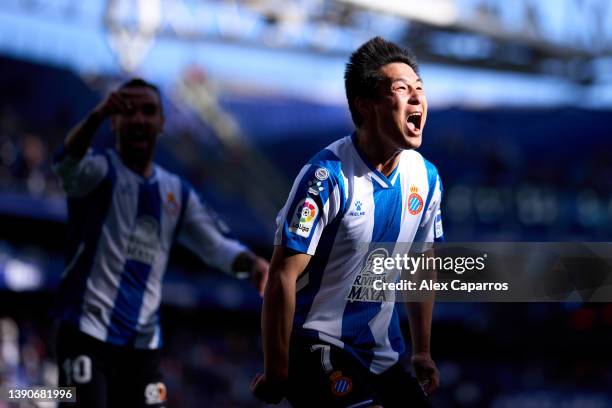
<point x="568" y="41"/>
<point x="553" y="37"/>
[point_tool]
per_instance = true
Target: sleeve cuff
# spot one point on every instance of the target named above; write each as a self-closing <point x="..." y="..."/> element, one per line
<point x="294" y="246"/>
<point x="227" y="255"/>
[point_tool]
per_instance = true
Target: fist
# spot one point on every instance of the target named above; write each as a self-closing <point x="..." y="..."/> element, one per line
<point x="426" y="372"/>
<point x="115" y="103"/>
<point x="265" y="390"/>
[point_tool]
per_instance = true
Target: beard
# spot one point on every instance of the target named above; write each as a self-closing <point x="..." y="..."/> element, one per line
<point x="136" y="147"/>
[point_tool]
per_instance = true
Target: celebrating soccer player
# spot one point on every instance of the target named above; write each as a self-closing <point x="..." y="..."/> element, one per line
<point x="324" y="347"/>
<point x="124" y="213"/>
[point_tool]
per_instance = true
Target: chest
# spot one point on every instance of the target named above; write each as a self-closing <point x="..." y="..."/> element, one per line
<point x="384" y="213"/>
<point x="147" y="212"/>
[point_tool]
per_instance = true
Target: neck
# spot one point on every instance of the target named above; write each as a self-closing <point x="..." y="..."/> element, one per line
<point x="141" y="167"/>
<point x="382" y="157"/>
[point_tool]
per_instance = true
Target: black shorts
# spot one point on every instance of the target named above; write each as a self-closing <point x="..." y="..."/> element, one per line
<point x="106" y="375"/>
<point x="323" y="375"/>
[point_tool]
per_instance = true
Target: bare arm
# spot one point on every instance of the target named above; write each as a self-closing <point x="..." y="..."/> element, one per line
<point x="419" y="317"/>
<point x="279" y="309"/>
<point x="80" y="137"/>
<point x="277" y="320"/>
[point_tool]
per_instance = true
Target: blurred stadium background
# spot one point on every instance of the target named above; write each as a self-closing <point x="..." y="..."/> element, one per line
<point x="520" y="98"/>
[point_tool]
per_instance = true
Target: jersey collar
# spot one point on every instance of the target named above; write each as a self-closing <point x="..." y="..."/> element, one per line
<point x="384" y="181"/>
<point x="141" y="179"/>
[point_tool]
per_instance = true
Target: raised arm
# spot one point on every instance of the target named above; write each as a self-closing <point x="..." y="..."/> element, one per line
<point x="80" y="137"/>
<point x="276" y="322"/>
<point x="79" y="172"/>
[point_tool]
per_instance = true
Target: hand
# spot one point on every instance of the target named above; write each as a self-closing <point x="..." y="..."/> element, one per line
<point x="426" y="372"/>
<point x="259" y="274"/>
<point x="265" y="390"/>
<point x="114" y="103"/>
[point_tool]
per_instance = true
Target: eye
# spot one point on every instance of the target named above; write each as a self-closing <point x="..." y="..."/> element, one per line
<point x="149" y="109"/>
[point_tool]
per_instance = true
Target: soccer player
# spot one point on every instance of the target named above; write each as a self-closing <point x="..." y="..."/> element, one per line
<point x="323" y="346"/>
<point x="124" y="214"/>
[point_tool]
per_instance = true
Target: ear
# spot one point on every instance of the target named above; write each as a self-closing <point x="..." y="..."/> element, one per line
<point x="364" y="106"/>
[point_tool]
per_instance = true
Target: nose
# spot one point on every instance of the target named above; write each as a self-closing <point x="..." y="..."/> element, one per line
<point x="415" y="96"/>
<point x="138" y="117"/>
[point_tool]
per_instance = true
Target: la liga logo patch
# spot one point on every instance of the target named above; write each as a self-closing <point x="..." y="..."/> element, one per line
<point x="415" y="201"/>
<point x="304" y="218"/>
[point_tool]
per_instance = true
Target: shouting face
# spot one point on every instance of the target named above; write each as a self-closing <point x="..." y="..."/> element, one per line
<point x="400" y="108"/>
<point x="138" y="126"/>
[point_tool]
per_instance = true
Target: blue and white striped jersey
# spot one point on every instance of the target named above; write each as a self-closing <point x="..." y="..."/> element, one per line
<point x="121" y="227"/>
<point x="337" y="204"/>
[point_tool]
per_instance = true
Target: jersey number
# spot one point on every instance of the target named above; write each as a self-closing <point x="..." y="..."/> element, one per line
<point x="325" y="356"/>
<point x="78" y="370"/>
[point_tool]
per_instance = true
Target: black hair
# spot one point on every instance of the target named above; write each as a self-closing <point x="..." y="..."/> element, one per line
<point x="141" y="83"/>
<point x="362" y="76"/>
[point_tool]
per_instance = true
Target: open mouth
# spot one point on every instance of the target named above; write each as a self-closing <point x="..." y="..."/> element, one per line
<point x="137" y="139"/>
<point x="139" y="143"/>
<point x="137" y="134"/>
<point x="414" y="121"/>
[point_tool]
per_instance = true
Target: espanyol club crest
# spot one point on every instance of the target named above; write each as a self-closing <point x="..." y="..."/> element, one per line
<point x="172" y="206"/>
<point x="341" y="385"/>
<point x="155" y="393"/>
<point x="415" y="201"/>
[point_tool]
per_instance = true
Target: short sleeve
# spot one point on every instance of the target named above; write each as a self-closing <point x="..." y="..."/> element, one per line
<point x="315" y="200"/>
<point x="80" y="177"/>
<point x="202" y="233"/>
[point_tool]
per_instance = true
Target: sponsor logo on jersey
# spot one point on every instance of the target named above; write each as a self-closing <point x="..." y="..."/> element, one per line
<point x="314" y="187"/>
<point x="143" y="244"/>
<point x="362" y="289"/>
<point x="125" y="188"/>
<point x="415" y="201"/>
<point x="322" y="173"/>
<point x="340" y="384"/>
<point x="171" y="205"/>
<point x="305" y="215"/>
<point x="155" y="393"/>
<point x="358" y="209"/>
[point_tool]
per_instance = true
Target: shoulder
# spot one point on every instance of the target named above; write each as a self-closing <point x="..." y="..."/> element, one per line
<point x="173" y="183"/>
<point x="327" y="163"/>
<point x="165" y="176"/>
<point x="413" y="159"/>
